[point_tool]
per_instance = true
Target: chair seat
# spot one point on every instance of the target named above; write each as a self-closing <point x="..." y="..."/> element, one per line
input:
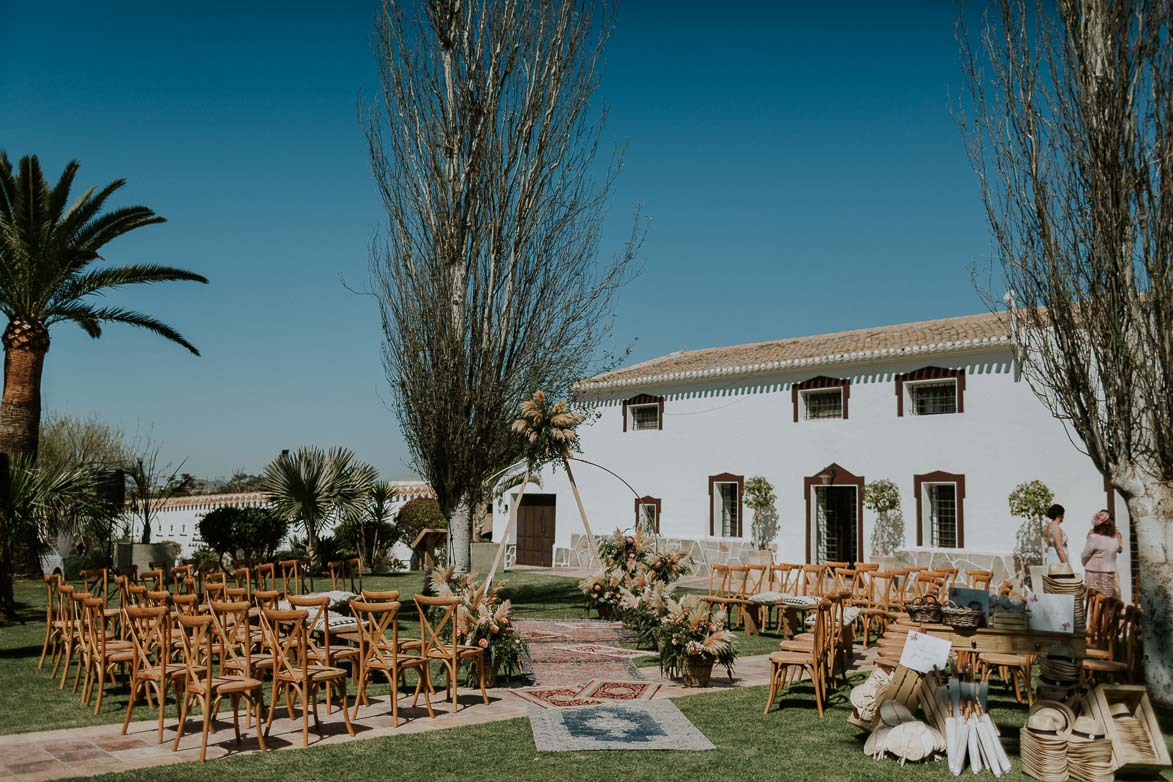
<point x="262" y="661"/>
<point x="317" y="673"/>
<point x="997" y="658"/>
<point x="873" y="612"/>
<point x="791" y="658"/>
<point x="1091" y="653"/>
<point x="174" y="671"/>
<point x="225" y="685"/>
<point x="1103" y="666"/>
<point x="403" y="661"/>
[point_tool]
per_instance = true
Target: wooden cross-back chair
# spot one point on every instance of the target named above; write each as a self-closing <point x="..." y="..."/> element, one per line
<point x="727" y="589"/>
<point x="154" y="580"/>
<point x="95" y="581"/>
<point x="331" y="655"/>
<point x="243" y="578"/>
<point x="265" y="577"/>
<point x="103" y="651"/>
<point x="296" y="578"/>
<point x="197" y="634"/>
<point x="212" y="578"/>
<point x="293" y="672"/>
<point x="1103" y="658"/>
<point x="439" y="642"/>
<point x="805" y="657"/>
<point x="784" y="578"/>
<point x="344" y="572"/>
<point x="181" y="579"/>
<point x="839" y="641"/>
<point x="979" y="579"/>
<point x="884" y="586"/>
<point x="149" y="628"/>
<point x="67" y="611"/>
<point x="235" y="639"/>
<point x="380" y="653"/>
<point x="54" y="620"/>
<point x="812" y="580"/>
<point x="949" y="574"/>
<point x="78" y="638"/>
<point x="375" y="596"/>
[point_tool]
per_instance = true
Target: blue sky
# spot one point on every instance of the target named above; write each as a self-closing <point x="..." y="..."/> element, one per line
<point x="798" y="163"/>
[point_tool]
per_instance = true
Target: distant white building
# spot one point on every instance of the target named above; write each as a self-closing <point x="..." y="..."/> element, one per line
<point x="178" y="518"/>
<point x="937" y="407"/>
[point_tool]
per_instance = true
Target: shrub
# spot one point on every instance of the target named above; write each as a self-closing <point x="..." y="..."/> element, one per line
<point x="207" y="554"/>
<point x="247" y="534"/>
<point x="74" y="564"/>
<point x="419" y="514"/>
<point x="760" y="498"/>
<point x="882" y="497"/>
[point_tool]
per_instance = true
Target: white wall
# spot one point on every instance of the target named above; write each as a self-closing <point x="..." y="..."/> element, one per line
<point x="745" y="426"/>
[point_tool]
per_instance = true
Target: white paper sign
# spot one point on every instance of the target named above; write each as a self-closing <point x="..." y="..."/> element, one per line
<point x="1050" y="613"/>
<point x="923" y="652"/>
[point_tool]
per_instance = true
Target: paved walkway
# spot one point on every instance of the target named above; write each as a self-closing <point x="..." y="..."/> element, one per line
<point x="102" y="749"/>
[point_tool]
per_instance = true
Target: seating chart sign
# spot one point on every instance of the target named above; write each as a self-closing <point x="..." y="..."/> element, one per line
<point x="923" y="653"/>
<point x="1050" y="613"/>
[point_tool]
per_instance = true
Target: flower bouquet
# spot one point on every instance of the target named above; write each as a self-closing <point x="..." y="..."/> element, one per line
<point x="482" y="619"/>
<point x="692" y="639"/>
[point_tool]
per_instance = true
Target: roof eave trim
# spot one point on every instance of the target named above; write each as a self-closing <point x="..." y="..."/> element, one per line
<point x="857" y="356"/>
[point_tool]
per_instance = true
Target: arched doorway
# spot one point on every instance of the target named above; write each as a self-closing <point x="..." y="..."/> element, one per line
<point x="834" y="515"/>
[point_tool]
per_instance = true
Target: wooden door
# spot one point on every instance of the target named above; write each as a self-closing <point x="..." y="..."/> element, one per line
<point x="535" y="530"/>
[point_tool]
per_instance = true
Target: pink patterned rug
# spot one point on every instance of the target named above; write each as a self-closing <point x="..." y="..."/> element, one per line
<point x="553" y="661"/>
<point x="594" y="693"/>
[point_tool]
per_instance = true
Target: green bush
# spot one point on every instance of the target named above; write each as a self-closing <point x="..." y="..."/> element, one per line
<point x="248" y="535"/>
<point x="419" y="514"/>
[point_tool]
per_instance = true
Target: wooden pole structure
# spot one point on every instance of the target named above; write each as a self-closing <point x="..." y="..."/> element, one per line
<point x="581" y="510"/>
<point x="505" y="534"/>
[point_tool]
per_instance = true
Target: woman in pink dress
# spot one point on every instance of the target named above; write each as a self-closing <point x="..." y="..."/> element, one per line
<point x="1099" y="556"/>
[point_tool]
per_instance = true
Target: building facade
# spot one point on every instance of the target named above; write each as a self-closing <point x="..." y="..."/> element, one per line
<point x="939" y="408"/>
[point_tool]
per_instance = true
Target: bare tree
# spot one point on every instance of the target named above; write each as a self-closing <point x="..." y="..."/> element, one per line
<point x="483" y="144"/>
<point x="151" y="482"/>
<point x="1070" y="134"/>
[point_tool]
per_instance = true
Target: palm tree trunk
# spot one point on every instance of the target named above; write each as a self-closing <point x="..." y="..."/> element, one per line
<point x="25" y="346"/>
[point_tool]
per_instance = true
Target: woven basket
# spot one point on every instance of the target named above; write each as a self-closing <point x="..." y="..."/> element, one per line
<point x="925" y="610"/>
<point x="696" y="670"/>
<point x="961" y="618"/>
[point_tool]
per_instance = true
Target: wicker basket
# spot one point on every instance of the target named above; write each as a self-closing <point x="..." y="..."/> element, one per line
<point x="925" y="610"/>
<point x="697" y="670"/>
<point x="961" y="618"/>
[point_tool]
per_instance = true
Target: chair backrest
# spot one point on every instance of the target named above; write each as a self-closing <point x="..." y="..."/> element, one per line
<point x="160" y="597"/>
<point x="196" y="635"/>
<point x="180" y="575"/>
<point x="233" y="633"/>
<point x="152" y="579"/>
<point x="821" y="630"/>
<point x="756" y="579"/>
<point x="375" y="621"/>
<point x="236" y="594"/>
<point x="96" y="581"/>
<point x="52" y="586"/>
<point x="188" y="604"/>
<point x="337" y="571"/>
<point x="243" y="578"/>
<point x="432" y="631"/>
<point x="719" y="578"/>
<point x="784" y="578"/>
<point x="94" y="623"/>
<point x="812" y="580"/>
<point x="266" y="598"/>
<point x="979" y="579"/>
<point x="287" y="635"/>
<point x="867" y="566"/>
<point x="354" y="573"/>
<point x="885" y="588"/>
<point x="292" y="574"/>
<point x="373" y="596"/>
<point x="214" y="591"/>
<point x="266" y="579"/>
<point x="1131" y="649"/>
<point x="318" y="608"/>
<point x="949" y="574"/>
<point x="149" y="630"/>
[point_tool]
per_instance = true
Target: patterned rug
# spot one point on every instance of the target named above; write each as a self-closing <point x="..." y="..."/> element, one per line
<point x="656" y="725"/>
<point x="602" y="650"/>
<point x="597" y="692"/>
<point x="548" y="664"/>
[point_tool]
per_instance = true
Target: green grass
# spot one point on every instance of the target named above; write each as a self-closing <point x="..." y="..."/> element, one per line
<point x="792" y="743"/>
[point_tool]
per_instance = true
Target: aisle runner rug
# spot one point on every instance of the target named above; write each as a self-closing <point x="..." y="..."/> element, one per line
<point x="602" y="650"/>
<point x="597" y="692"/>
<point x="549" y="665"/>
<point x="657" y="725"/>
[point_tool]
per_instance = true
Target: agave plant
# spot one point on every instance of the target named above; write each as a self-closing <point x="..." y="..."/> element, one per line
<point x="314" y="487"/>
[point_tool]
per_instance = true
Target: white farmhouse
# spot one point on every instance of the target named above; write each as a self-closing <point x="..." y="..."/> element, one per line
<point x="937" y="407"/>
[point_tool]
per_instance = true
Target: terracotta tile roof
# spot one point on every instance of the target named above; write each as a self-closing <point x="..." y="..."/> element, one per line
<point x="407" y="490"/>
<point x="948" y="335"/>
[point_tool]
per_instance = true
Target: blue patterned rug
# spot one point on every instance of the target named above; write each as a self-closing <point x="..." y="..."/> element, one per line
<point x="645" y="725"/>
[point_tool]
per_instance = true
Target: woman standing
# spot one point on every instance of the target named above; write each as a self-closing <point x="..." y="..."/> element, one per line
<point x="1099" y="556"/>
<point x="1056" y="537"/>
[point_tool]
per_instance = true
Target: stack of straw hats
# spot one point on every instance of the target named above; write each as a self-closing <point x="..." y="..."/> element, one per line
<point x="1130" y="729"/>
<point x="1059" y="673"/>
<point x="1061" y="580"/>
<point x="1089" y="751"/>
<point x="1043" y="741"/>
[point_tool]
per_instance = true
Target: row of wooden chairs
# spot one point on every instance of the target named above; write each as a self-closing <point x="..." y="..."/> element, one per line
<point x="226" y="649"/>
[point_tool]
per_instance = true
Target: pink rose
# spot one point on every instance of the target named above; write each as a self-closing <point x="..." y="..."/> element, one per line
<point x="505" y="622"/>
<point x="494" y="628"/>
<point x="483" y="643"/>
<point x="712" y="628"/>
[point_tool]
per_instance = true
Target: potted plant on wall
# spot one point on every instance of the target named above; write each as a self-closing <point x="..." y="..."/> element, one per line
<point x="760" y="498"/>
<point x="1029" y="502"/>
<point x="692" y="639"/>
<point x="882" y="498"/>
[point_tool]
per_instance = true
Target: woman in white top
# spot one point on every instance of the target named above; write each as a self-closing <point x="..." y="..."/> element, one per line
<point x="1055" y="536"/>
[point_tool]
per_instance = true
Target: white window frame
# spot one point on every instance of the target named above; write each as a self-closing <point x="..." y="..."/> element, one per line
<point x="910" y="387"/>
<point x="650" y="507"/>
<point x="631" y="417"/>
<point x="929" y="520"/>
<point x="718" y="511"/>
<point x="803" y="395"/>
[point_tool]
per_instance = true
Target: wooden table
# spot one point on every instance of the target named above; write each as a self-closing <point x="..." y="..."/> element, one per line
<point x="1007" y="641"/>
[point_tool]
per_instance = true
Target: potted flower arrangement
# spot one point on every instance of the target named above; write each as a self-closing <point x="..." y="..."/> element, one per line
<point x="692" y="639"/>
<point x="630" y="562"/>
<point x="642" y="606"/>
<point x="482" y="619"/>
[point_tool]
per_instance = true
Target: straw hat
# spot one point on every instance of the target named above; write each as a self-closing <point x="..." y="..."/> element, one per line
<point x="1046" y="721"/>
<point x="1061" y="569"/>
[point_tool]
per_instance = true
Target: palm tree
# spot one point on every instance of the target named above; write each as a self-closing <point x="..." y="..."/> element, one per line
<point x="314" y="487"/>
<point x="47" y="248"/>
